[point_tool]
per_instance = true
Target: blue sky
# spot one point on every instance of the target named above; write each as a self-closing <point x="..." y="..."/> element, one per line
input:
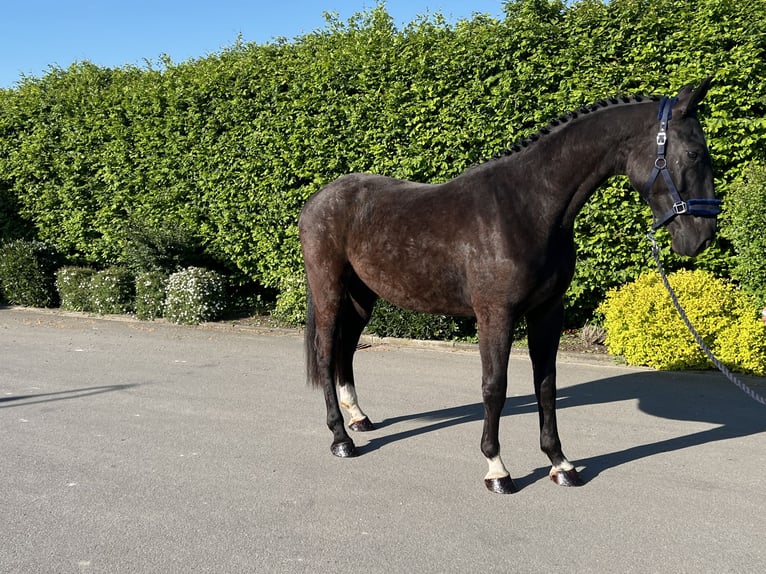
<point x="36" y="34"/>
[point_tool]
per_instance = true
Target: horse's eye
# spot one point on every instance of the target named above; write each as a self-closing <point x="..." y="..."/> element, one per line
<point x="692" y="154"/>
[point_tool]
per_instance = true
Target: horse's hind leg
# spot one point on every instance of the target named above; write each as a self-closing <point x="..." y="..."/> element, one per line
<point x="327" y="355"/>
<point x="495" y="347"/>
<point x="323" y="349"/>
<point x="544" y="330"/>
<point x="356" y="311"/>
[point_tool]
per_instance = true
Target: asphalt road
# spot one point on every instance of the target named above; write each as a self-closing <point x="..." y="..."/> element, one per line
<point x="147" y="447"/>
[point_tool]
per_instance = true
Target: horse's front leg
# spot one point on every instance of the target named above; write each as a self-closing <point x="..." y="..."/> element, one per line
<point x="495" y="347"/>
<point x="544" y="330"/>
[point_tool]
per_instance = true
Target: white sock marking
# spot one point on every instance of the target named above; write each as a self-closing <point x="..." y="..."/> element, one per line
<point x="496" y="468"/>
<point x="564" y="466"/>
<point x="349" y="403"/>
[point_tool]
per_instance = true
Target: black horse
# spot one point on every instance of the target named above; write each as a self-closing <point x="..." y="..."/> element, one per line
<point x="496" y="243"/>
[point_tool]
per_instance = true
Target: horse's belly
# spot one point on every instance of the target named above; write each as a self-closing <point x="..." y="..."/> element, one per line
<point x="421" y="286"/>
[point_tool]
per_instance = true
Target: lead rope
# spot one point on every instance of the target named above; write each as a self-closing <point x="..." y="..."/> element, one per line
<point x="721" y="367"/>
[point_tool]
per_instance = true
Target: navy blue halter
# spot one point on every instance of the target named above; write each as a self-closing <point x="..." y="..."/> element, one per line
<point x="696" y="207"/>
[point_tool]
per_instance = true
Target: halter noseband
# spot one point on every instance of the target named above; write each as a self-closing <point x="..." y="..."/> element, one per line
<point x="697" y="207"/>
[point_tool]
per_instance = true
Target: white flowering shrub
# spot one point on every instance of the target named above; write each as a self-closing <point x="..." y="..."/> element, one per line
<point x="112" y="291"/>
<point x="73" y="286"/>
<point x="194" y="295"/>
<point x="150" y="294"/>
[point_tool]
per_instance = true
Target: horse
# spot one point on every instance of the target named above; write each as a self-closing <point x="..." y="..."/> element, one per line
<point x="495" y="243"/>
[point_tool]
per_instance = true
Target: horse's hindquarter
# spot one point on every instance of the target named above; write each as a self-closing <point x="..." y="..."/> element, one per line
<point x="410" y="243"/>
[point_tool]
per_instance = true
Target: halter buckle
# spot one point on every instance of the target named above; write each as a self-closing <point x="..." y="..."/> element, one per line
<point x="680" y="208"/>
<point x="662" y="138"/>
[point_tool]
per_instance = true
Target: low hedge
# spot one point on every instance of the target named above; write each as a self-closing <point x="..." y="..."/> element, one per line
<point x="73" y="285"/>
<point x="112" y="291"/>
<point x="150" y="295"/>
<point x="190" y="296"/>
<point x="390" y="321"/>
<point x="194" y="295"/>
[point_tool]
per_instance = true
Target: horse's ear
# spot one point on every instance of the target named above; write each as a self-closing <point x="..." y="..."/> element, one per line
<point x="690" y="97"/>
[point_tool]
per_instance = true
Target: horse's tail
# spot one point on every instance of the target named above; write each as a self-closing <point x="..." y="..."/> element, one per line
<point x="312" y="365"/>
<point x="313" y="376"/>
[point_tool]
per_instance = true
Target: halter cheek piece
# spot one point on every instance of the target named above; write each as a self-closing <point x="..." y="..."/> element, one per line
<point x="696" y="207"/>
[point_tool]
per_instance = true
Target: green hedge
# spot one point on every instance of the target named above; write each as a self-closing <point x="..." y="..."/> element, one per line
<point x="744" y="223"/>
<point x="223" y="151"/>
<point x="390" y="321"/>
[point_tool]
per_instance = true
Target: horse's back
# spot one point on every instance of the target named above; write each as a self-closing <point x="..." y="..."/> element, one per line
<point x="359" y="208"/>
<point x="406" y="241"/>
<point x="360" y="189"/>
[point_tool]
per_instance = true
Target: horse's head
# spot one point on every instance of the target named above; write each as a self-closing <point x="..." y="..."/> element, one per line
<point x="679" y="184"/>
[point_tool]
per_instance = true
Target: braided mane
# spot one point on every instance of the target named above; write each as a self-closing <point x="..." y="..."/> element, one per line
<point x="557" y="123"/>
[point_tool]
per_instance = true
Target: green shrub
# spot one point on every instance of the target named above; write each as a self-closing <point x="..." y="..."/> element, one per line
<point x="73" y="285"/>
<point x="744" y="223"/>
<point x="160" y="246"/>
<point x="245" y="297"/>
<point x="390" y="321"/>
<point x="194" y="295"/>
<point x="150" y="294"/>
<point x="27" y="271"/>
<point x="643" y="326"/>
<point x="112" y="291"/>
<point x="290" y="307"/>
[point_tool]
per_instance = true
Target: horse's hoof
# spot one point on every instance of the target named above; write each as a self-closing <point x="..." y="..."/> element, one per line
<point x="567" y="478"/>
<point x="363" y="425"/>
<point x="502" y="485"/>
<point x="343" y="449"/>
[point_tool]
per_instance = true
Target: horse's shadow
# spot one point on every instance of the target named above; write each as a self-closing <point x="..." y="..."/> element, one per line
<point x="702" y="397"/>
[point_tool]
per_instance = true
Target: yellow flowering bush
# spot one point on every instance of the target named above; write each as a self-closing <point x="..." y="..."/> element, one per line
<point x="744" y="344"/>
<point x="643" y="326"/>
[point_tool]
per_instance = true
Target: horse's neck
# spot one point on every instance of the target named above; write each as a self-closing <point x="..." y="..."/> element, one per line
<point x="571" y="163"/>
